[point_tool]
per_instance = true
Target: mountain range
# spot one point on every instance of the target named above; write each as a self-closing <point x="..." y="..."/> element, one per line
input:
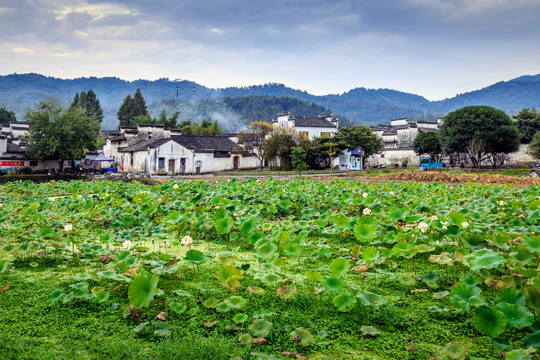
<point x="19" y="92"/>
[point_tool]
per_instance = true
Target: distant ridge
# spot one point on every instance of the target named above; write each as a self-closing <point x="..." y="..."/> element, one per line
<point x="19" y="92"/>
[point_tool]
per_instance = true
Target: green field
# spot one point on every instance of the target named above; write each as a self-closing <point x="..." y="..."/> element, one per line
<point x="276" y="269"/>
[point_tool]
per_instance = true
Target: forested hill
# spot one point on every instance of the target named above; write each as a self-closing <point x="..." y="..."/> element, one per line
<point x="364" y="106"/>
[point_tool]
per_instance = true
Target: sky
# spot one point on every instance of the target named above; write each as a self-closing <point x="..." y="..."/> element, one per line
<point x="433" y="48"/>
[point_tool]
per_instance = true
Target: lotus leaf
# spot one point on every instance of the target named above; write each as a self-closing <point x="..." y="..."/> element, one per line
<point x="489" y="321"/>
<point x="333" y="283"/>
<point x="532" y="244"/>
<point x="510" y="296"/>
<point x="235" y="302"/>
<point x="142" y="290"/>
<point x="369" y="330"/>
<point x="55" y="295"/>
<point x="163" y="329"/>
<point x="486" y="259"/>
<point x="287" y="292"/>
<point x="245" y="340"/>
<point x="339" y="267"/>
<point x="464" y="296"/>
<point x="260" y="328"/>
<point x="240" y="318"/>
<point x="140" y="327"/>
<point x="344" y="302"/>
<point x="306" y="338"/>
<point x="229" y="277"/>
<point x="196" y="257"/>
<point x="517" y="316"/>
<point x="533" y="298"/>
<point x="370" y="300"/>
<point x="365" y="232"/>
<point x="178" y="308"/>
<point x="223" y="226"/>
<point x="210" y="303"/>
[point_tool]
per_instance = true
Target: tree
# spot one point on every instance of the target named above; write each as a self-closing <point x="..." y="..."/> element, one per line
<point x="496" y="131"/>
<point x="534" y="146"/>
<point x="428" y="143"/>
<point x="298" y="156"/>
<point x="89" y="104"/>
<point x="57" y="134"/>
<point x="255" y="137"/>
<point x="363" y="137"/>
<point x="6" y="116"/>
<point x="206" y="128"/>
<point x="131" y="109"/>
<point x="528" y="123"/>
<point x="279" y="145"/>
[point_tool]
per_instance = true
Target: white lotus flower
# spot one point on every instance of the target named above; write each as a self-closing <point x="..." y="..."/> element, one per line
<point x="502" y="202"/>
<point x="444" y="223"/>
<point x="364" y="195"/>
<point x="126" y="244"/>
<point x="68" y="227"/>
<point x="434" y="218"/>
<point x="465" y="224"/>
<point x="423" y="226"/>
<point x="175" y="186"/>
<point x="366" y="211"/>
<point x="186" y="240"/>
<point x="391" y="193"/>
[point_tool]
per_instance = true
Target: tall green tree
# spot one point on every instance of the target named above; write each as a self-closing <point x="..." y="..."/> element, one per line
<point x="89" y="104"/>
<point x="279" y="145"/>
<point x="528" y="123"/>
<point x="482" y="132"/>
<point x="428" y="143"/>
<point x="6" y="116"/>
<point x="534" y="146"/>
<point x="57" y="134"/>
<point x="363" y="137"/>
<point x="255" y="137"/>
<point x="133" y="108"/>
<point x="298" y="157"/>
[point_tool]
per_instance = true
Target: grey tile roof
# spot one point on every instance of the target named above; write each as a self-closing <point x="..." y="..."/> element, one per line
<point x="312" y="122"/>
<point x="197" y="143"/>
<point x="13" y="148"/>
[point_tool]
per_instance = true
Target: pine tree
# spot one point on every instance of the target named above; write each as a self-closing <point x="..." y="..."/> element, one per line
<point x="89" y="104"/>
<point x="125" y="113"/>
<point x="139" y="105"/>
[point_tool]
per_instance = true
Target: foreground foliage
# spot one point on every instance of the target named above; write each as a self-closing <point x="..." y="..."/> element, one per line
<point x="269" y="269"/>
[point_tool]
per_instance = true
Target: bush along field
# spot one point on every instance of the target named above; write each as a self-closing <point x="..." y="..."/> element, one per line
<point x="269" y="270"/>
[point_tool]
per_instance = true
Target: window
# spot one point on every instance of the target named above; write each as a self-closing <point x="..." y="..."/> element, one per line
<point x="325" y="134"/>
<point x="303" y="134"/>
<point x="161" y="162"/>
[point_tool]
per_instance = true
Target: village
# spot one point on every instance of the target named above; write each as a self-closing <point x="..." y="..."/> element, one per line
<point x="154" y="149"/>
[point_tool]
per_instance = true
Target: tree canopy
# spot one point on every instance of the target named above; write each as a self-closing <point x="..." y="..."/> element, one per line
<point x="534" y="146"/>
<point x="528" y="123"/>
<point x="428" y="143"/>
<point x="131" y="108"/>
<point x="359" y="136"/>
<point x="6" y="116"/>
<point x="482" y="132"/>
<point x="255" y="136"/>
<point x="57" y="134"/>
<point x="89" y="104"/>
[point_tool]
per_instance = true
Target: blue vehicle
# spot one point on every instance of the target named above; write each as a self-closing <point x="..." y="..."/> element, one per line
<point x="427" y="163"/>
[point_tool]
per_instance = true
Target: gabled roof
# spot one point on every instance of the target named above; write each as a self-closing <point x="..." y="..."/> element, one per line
<point x="144" y="145"/>
<point x="13" y="148"/>
<point x="205" y="143"/>
<point x="312" y="122"/>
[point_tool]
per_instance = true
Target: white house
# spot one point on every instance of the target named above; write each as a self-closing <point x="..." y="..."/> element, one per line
<point x="185" y="154"/>
<point x="309" y="127"/>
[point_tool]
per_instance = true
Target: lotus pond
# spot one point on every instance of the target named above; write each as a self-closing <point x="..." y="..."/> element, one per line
<point x="269" y="269"/>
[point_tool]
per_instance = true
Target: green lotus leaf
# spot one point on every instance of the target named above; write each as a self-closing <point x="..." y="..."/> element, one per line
<point x="365" y="232"/>
<point x="102" y="296"/>
<point x="533" y="339"/>
<point x="404" y="248"/>
<point x="235" y="302"/>
<point x="517" y="316"/>
<point x="248" y="226"/>
<point x="223" y="307"/>
<point x="516" y="354"/>
<point x="489" y="321"/>
<point x="369" y="330"/>
<point x="511" y="296"/>
<point x="260" y="328"/>
<point x="344" y="302"/>
<point x="3" y="265"/>
<point x="245" y="340"/>
<point x="229" y="276"/>
<point x="81" y="277"/>
<point x="533" y="298"/>
<point x="223" y="226"/>
<point x="129" y="220"/>
<point x="431" y="279"/>
<point x="140" y="327"/>
<point x="266" y="249"/>
<point x="464" y="296"/>
<point x="532" y="244"/>
<point x="314" y="275"/>
<point x="240" y="318"/>
<point x="292" y="250"/>
<point x="397" y="214"/>
<point x="501" y="343"/>
<point x="173" y="217"/>
<point x="471" y="280"/>
<point x="178" y="308"/>
<point x="55" y="295"/>
<point x="371" y="300"/>
<point x="486" y="259"/>
<point x="340" y="220"/>
<point x="407" y="280"/>
<point x="197" y="257"/>
<point x="457" y="219"/>
<point x="181" y="293"/>
<point x="305" y="337"/>
<point x="333" y="283"/>
<point x="339" y="266"/>
<point x="440" y="295"/>
<point x="325" y="252"/>
<point x="370" y="254"/>
<point x="142" y="290"/>
<point x="210" y="303"/>
<point x="163" y="329"/>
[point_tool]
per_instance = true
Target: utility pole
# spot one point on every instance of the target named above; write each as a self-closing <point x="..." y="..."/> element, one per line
<point x="177" y="94"/>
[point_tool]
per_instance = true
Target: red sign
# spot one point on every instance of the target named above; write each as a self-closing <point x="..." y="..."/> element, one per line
<point x="11" y="163"/>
